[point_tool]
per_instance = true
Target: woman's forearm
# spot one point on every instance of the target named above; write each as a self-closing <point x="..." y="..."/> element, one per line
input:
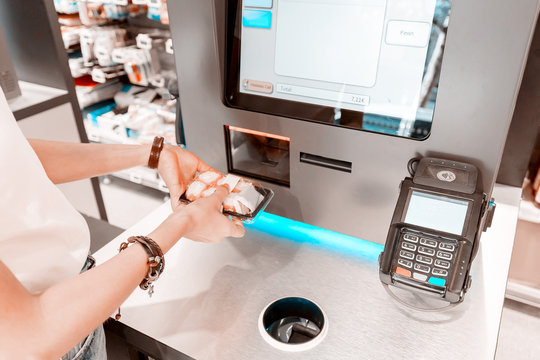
<point x="65" y="313"/>
<point x="64" y="161"/>
<point x="69" y="311"/>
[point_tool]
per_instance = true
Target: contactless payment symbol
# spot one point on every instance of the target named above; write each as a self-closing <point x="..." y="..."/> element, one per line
<point x="446" y="175"/>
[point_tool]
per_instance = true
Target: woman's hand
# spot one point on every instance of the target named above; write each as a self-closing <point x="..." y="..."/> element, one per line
<point x="201" y="220"/>
<point x="178" y="167"/>
<point x="207" y="223"/>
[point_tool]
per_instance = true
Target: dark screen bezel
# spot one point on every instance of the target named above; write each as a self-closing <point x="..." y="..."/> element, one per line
<point x="233" y="98"/>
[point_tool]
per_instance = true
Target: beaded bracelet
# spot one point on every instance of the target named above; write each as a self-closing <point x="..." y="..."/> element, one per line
<point x="156" y="262"/>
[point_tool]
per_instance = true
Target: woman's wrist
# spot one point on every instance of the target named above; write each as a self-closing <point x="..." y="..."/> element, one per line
<point x="171" y="230"/>
<point x="142" y="152"/>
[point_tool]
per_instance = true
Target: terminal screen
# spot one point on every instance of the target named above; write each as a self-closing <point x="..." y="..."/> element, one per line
<point x="378" y="59"/>
<point x="437" y="212"/>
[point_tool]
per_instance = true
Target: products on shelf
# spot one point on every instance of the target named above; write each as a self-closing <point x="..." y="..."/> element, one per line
<point x="115" y="52"/>
<point x="139" y="121"/>
<point x="169" y="46"/>
<point x="108" y="47"/>
<point x="122" y="66"/>
<point x="97" y="44"/>
<point x="140" y="65"/>
<point x="164" y="13"/>
<point x="90" y="92"/>
<point x="77" y="68"/>
<point x="100" y="12"/>
<point x="104" y="74"/>
<point x="92" y="12"/>
<point x="71" y="35"/>
<point x="536" y="188"/>
<point x="66" y="6"/>
<point x="157" y="10"/>
<point x="150" y="41"/>
<point x="116" y="12"/>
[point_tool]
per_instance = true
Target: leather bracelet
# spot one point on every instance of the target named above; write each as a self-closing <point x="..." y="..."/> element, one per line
<point x="156" y="262"/>
<point x="157" y="146"/>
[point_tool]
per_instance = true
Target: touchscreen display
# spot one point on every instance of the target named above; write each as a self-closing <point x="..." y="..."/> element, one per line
<point x="437" y="212"/>
<point x="379" y="58"/>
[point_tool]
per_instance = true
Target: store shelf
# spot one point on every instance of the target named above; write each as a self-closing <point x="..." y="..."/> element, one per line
<point x="523" y="293"/>
<point x="529" y="212"/>
<point x="143" y="176"/>
<point x="36" y="98"/>
<point x="523" y="282"/>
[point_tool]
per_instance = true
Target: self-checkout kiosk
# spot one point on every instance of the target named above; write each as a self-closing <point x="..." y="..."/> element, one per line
<point x="327" y="103"/>
<point x="348" y="92"/>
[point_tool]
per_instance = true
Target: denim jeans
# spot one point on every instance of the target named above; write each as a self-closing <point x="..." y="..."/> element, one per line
<point x="93" y="346"/>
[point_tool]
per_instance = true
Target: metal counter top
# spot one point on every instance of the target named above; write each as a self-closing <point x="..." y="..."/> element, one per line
<point x="208" y="300"/>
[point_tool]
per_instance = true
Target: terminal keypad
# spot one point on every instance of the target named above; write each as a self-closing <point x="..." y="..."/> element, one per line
<point x="425" y="259"/>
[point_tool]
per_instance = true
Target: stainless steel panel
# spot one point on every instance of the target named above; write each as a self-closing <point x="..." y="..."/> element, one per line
<point x="484" y="58"/>
<point x="207" y="302"/>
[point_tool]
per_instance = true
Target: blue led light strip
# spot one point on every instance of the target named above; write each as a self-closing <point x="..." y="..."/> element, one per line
<point x="304" y="233"/>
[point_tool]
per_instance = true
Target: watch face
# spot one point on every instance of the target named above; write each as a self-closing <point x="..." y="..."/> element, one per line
<point x="446" y="175"/>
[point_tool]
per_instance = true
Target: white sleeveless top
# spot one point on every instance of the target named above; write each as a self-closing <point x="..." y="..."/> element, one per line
<point x="43" y="239"/>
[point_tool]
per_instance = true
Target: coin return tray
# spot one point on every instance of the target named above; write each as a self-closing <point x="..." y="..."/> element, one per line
<point x="293" y="324"/>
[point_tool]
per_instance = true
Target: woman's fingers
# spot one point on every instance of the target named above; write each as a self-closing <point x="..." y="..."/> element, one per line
<point x="202" y="167"/>
<point x="219" y="195"/>
<point x="238" y="229"/>
<point x="169" y="171"/>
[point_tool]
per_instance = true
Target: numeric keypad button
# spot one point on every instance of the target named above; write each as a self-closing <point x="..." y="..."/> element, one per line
<point x="410" y="238"/>
<point x="406" y="255"/>
<point x="428" y="242"/>
<point x="424" y="259"/>
<point x="444" y="255"/>
<point x="447" y="247"/>
<point x="442" y="263"/>
<point x="426" y="250"/>
<point x="419" y="276"/>
<point x="405" y="263"/>
<point x="422" y="268"/>
<point x="407" y="246"/>
<point x="439" y="272"/>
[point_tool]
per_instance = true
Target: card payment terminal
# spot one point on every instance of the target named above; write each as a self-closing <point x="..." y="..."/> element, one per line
<point x="435" y="230"/>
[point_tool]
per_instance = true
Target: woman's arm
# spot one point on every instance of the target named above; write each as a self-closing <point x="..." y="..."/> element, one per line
<point x="64" y="161"/>
<point x="47" y="325"/>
